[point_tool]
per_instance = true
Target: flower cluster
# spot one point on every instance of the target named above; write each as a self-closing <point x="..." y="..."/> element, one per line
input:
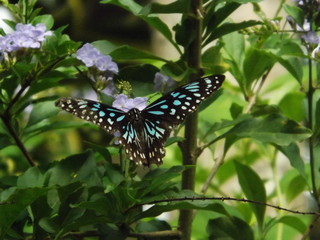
<point x="91" y="57"/>
<point x="25" y="36"/>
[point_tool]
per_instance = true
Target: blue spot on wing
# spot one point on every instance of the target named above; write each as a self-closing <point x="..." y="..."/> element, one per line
<point x="176" y="102"/>
<point x="156" y="112"/>
<point x="120" y="118"/>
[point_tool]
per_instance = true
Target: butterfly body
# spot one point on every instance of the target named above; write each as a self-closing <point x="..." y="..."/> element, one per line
<point x="143" y="133"/>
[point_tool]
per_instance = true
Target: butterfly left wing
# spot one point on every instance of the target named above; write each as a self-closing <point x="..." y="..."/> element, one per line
<point x="161" y="116"/>
<point x="103" y="115"/>
<point x="127" y="124"/>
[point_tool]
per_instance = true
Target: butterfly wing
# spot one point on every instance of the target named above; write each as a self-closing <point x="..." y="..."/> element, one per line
<point x="171" y="109"/>
<point x="127" y="124"/>
<point x="105" y="116"/>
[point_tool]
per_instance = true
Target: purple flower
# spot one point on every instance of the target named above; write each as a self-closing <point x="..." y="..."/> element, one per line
<point x="110" y="88"/>
<point x="91" y="56"/>
<point x="125" y="104"/>
<point x="25" y="36"/>
<point x="311" y="37"/>
<point x="163" y="83"/>
<point x="37" y="33"/>
<point x="104" y="63"/>
<point x="88" y="54"/>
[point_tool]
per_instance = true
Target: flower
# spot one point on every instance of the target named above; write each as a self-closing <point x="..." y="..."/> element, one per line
<point x="163" y="83"/>
<point x="311" y="37"/>
<point x="88" y="54"/>
<point x="110" y="88"/>
<point x="92" y="57"/>
<point x="105" y="63"/>
<point x="25" y="36"/>
<point x="125" y="104"/>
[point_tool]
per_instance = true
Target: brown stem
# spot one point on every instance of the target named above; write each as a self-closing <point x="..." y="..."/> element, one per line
<point x="20" y="145"/>
<point x="189" y="146"/>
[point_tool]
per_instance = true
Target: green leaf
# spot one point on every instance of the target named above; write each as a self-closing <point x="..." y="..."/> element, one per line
<point x="151" y="19"/>
<point x="292" y="105"/>
<point x="183" y="34"/>
<point x="45" y="19"/>
<point x="181" y="205"/>
<point x="125" y="53"/>
<point x="5" y="141"/>
<point x="296" y="186"/>
<point x="295" y="222"/>
<point x="153" y="226"/>
<point x="31" y="178"/>
<point x="253" y="188"/>
<point x="40" y="209"/>
<point x="78" y="167"/>
<point x="317" y="120"/>
<point x="42" y="111"/>
<point x="261" y="60"/>
<point x="234" y="45"/>
<point x="108" y="206"/>
<point x="293" y="65"/>
<point x="212" y="58"/>
<point x="295" y="12"/>
<point x="210" y="100"/>
<point x="87" y="219"/>
<point x="158" y="179"/>
<point x="274" y="128"/>
<point x="227" y="28"/>
<point x="104" y="46"/>
<point x="16" y="204"/>
<point x="292" y="152"/>
<point x="112" y="178"/>
<point x="174" y="7"/>
<point x="102" y="150"/>
<point x="213" y="18"/>
<point x="231" y="228"/>
<point x="172" y="140"/>
<point x="43" y="126"/>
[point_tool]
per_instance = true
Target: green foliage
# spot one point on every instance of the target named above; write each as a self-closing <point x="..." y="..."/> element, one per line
<point x="60" y="177"/>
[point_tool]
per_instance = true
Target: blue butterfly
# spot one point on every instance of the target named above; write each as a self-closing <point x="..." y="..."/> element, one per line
<point x="143" y="133"/>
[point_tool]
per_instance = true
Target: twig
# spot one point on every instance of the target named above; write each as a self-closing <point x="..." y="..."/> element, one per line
<point x="158" y="234"/>
<point x="17" y="139"/>
<point x="253" y="99"/>
<point x="222" y="199"/>
<point x="219" y="161"/>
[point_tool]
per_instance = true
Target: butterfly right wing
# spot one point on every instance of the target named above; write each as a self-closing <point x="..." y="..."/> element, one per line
<point x="108" y="118"/>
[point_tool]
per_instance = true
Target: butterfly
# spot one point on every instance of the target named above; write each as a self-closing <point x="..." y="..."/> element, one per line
<point x="143" y="133"/>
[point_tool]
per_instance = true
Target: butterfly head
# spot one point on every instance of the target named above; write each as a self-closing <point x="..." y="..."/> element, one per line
<point x="134" y="114"/>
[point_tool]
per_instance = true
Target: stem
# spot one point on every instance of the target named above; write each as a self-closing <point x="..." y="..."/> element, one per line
<point x="20" y="145"/>
<point x="6" y="115"/>
<point x="189" y="146"/>
<point x="311" y="139"/>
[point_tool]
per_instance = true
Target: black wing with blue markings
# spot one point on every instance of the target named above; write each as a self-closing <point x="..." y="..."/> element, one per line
<point x="105" y="116"/>
<point x="161" y="116"/>
<point x="143" y="133"/>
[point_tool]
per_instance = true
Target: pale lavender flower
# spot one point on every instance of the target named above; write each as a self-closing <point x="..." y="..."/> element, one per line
<point x="36" y="33"/>
<point x="105" y="63"/>
<point x="125" y="104"/>
<point x="25" y="36"/>
<point x="311" y="37"/>
<point x="88" y="54"/>
<point x="163" y="83"/>
<point x="91" y="56"/>
<point x="110" y="88"/>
